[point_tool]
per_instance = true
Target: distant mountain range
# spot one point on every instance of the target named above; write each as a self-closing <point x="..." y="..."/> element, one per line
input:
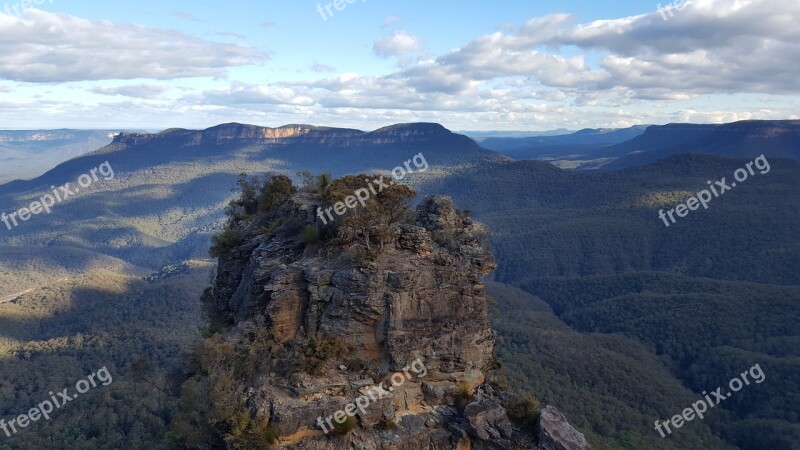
<point x="654" y="306"/>
<point x="588" y="136"/>
<point x="746" y="139"/>
<point x="334" y="150"/>
<point x="612" y="149"/>
<point x="27" y="154"/>
<point x="481" y="136"/>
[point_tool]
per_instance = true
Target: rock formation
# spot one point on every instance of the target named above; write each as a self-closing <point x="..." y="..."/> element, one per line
<point x="424" y="134"/>
<point x="403" y="328"/>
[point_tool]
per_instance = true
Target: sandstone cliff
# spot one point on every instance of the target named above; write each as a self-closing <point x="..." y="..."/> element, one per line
<point x="401" y="334"/>
<point x="421" y="134"/>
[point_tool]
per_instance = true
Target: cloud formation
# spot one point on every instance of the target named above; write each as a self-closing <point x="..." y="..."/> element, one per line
<point x="42" y="47"/>
<point x="144" y="91"/>
<point x="717" y="60"/>
<point x="397" y="44"/>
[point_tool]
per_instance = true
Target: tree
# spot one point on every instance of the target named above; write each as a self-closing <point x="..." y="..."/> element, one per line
<point x="379" y="211"/>
<point x="275" y="191"/>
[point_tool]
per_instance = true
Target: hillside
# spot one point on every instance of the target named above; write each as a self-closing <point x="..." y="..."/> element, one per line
<point x="593" y="247"/>
<point x="610" y="150"/>
<point x="557" y="234"/>
<point x="28" y="154"/>
<point x="609" y="385"/>
<point x="745" y="139"/>
<point x="168" y="191"/>
<point x="564" y="146"/>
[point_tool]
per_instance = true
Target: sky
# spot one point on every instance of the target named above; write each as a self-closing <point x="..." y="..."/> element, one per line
<point x="467" y="64"/>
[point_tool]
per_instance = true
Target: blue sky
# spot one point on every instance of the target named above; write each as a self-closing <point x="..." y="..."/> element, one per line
<point x="470" y="65"/>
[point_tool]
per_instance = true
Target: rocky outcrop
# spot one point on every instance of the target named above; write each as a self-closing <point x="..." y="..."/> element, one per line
<point x="555" y="433"/>
<point x="411" y="316"/>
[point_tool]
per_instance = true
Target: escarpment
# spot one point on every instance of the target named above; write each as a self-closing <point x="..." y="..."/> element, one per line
<point x="362" y="332"/>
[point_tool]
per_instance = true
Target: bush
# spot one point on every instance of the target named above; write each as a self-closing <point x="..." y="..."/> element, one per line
<point x="315" y="184"/>
<point x="261" y="434"/>
<point x="310" y="235"/>
<point x="248" y="197"/>
<point x="319" y="351"/>
<point x="355" y="365"/>
<point x="387" y="424"/>
<point x="463" y="392"/>
<point x="309" y="357"/>
<point x="323" y="182"/>
<point x="345" y="426"/>
<point x="275" y="191"/>
<point x="524" y="408"/>
<point x="270" y="229"/>
<point x="225" y="241"/>
<point x="463" y="395"/>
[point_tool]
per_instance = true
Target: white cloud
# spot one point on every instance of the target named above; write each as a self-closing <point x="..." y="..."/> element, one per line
<point x="399" y="43"/>
<point x="713" y="46"/>
<point x="550" y="72"/>
<point x="246" y="94"/>
<point x="391" y="20"/>
<point x="188" y="17"/>
<point x="316" y="67"/>
<point x="42" y="47"/>
<point x="146" y="91"/>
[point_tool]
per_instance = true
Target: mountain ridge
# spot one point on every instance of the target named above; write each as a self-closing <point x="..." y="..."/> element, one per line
<point x="745" y="139"/>
<point x="289" y="141"/>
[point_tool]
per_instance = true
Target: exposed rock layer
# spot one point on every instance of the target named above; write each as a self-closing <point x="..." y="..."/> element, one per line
<point x="419" y="304"/>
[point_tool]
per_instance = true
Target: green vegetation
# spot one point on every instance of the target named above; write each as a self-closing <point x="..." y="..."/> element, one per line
<point x="345" y="426"/>
<point x="275" y="191"/>
<point x="225" y="241"/>
<point x="549" y="222"/>
<point x="143" y="332"/>
<point x="316" y="352"/>
<point x="524" y="409"/>
<point x="387" y="424"/>
<point x="369" y="224"/>
<point x="256" y="211"/>
<point x="463" y="395"/>
<point x="311" y="235"/>
<point x="692" y="305"/>
<point x="717" y="329"/>
<point x="315" y="184"/>
<point x="213" y="409"/>
<point x="256" y="199"/>
<point x="610" y="387"/>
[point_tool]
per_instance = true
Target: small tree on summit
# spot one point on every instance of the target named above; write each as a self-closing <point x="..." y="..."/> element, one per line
<point x="386" y="207"/>
<point x="255" y="197"/>
<point x="275" y="191"/>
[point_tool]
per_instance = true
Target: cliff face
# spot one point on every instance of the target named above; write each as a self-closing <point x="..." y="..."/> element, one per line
<point x="410" y="325"/>
<point x="423" y="133"/>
